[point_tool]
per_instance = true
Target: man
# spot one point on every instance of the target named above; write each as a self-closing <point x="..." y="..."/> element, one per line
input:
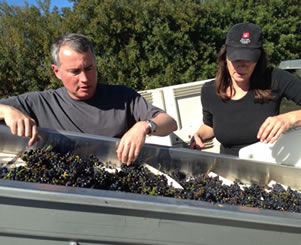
<point x="84" y="105"/>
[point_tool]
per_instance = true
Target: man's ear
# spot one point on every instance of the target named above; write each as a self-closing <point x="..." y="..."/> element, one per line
<point x="56" y="71"/>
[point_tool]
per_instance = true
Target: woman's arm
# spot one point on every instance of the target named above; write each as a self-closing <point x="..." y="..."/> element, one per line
<point x="203" y="134"/>
<point x="273" y="127"/>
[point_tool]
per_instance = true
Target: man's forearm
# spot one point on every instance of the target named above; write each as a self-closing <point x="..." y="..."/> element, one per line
<point x="4" y="109"/>
<point x="165" y="124"/>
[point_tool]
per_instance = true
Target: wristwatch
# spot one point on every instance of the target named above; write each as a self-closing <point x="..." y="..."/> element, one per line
<point x="152" y="127"/>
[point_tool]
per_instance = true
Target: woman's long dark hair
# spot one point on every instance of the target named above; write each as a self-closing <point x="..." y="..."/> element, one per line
<point x="260" y="80"/>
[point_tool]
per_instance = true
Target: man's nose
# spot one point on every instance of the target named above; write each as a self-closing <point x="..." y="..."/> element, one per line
<point x="83" y="77"/>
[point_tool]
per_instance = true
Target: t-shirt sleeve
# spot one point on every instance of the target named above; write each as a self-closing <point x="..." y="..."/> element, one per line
<point x="142" y="109"/>
<point x="288" y="84"/>
<point x="21" y="102"/>
<point x="205" y="100"/>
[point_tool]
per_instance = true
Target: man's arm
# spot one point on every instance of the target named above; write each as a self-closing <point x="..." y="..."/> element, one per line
<point x="133" y="140"/>
<point x="19" y="123"/>
<point x="165" y="124"/>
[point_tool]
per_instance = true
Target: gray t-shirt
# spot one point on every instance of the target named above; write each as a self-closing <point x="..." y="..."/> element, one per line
<point x="112" y="111"/>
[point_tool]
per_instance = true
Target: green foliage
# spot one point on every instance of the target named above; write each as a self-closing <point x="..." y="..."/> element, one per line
<point x="149" y="44"/>
<point x="25" y="38"/>
<point x="143" y="44"/>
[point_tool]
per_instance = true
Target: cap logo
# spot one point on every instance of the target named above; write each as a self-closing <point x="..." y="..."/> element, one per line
<point x="245" y="38"/>
<point x="246" y="35"/>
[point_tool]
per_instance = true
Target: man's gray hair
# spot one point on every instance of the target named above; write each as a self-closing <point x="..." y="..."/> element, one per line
<point x="77" y="42"/>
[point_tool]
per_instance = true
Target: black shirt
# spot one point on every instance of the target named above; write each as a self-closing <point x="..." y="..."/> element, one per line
<point x="236" y="122"/>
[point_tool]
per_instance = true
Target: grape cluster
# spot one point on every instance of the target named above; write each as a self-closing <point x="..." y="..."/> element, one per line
<point x="46" y="165"/>
<point x="211" y="189"/>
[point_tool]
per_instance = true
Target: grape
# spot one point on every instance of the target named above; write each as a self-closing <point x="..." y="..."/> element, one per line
<point x="47" y="165"/>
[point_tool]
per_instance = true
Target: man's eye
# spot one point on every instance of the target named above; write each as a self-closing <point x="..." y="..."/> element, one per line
<point x="75" y="72"/>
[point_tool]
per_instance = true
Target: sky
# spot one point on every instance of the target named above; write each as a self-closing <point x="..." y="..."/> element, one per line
<point x="59" y="3"/>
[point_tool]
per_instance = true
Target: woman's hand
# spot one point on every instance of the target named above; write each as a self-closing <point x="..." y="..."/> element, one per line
<point x="196" y="142"/>
<point x="199" y="138"/>
<point x="273" y="127"/>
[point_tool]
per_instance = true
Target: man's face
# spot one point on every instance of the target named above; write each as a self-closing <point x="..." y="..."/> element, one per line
<point x="77" y="71"/>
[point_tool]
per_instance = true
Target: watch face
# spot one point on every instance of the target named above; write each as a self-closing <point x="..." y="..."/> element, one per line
<point x="152" y="126"/>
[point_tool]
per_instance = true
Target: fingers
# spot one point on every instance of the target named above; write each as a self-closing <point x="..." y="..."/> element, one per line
<point x="268" y="133"/>
<point x="34" y="136"/>
<point x="271" y="129"/>
<point x="21" y="127"/>
<point x="25" y="127"/>
<point x="131" y="143"/>
<point x="128" y="152"/>
<point x="193" y="144"/>
<point x="18" y="127"/>
<point x="198" y="141"/>
<point x="13" y="128"/>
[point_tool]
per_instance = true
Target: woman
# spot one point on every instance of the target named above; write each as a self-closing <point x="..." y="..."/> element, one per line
<point x="242" y="105"/>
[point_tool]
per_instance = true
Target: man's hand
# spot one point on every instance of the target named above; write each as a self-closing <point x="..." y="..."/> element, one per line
<point x="133" y="140"/>
<point x="131" y="143"/>
<point x="20" y="124"/>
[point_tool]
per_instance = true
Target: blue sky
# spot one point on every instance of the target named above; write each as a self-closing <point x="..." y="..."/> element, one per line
<point x="58" y="3"/>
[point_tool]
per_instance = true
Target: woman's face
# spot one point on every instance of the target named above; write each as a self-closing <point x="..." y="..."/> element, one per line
<point x="240" y="70"/>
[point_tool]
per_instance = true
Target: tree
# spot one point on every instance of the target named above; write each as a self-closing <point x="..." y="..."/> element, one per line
<point x="25" y="37"/>
<point x="143" y="44"/>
